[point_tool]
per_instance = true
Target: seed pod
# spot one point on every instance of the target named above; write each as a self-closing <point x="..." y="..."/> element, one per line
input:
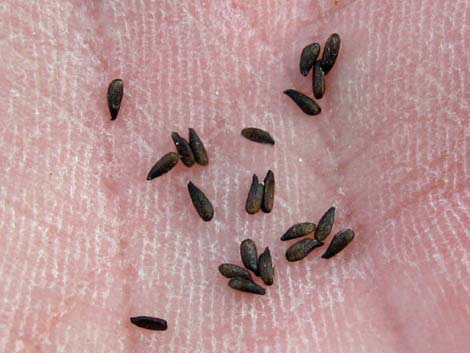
<point x="233" y="271"/>
<point x="330" y="52"/>
<point x="115" y="93"/>
<point x="268" y="196"/>
<point x="164" y="165"/>
<point x="199" y="151"/>
<point x="184" y="150"/>
<point x="257" y="135"/>
<point x="307" y="104"/>
<point x="201" y="202"/>
<point x="301" y="249"/>
<point x="150" y="323"/>
<point x="255" y="196"/>
<point x="245" y="285"/>
<point x="298" y="230"/>
<point x="249" y="255"/>
<point x="318" y="81"/>
<point x="325" y="225"/>
<point x="308" y="57"/>
<point x="266" y="269"/>
<point x="339" y="242"/>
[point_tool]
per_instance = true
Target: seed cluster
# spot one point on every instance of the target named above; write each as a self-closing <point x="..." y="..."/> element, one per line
<point x="261" y="195"/>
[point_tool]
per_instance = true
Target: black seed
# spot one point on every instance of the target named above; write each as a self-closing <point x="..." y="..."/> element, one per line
<point x="268" y="196"/>
<point x="330" y="52"/>
<point x="257" y="135"/>
<point x="339" y="242"/>
<point x="255" y="196"/>
<point x="184" y="150"/>
<point x="164" y="165"/>
<point x="301" y="249"/>
<point x="233" y="271"/>
<point x="199" y="151"/>
<point x="249" y="255"/>
<point x="245" y="285"/>
<point x="115" y="92"/>
<point x="298" y="230"/>
<point x="201" y="202"/>
<point x="325" y="225"/>
<point x="308" y="57"/>
<point x="318" y="81"/>
<point x="307" y="104"/>
<point x="266" y="269"/>
<point x="151" y="323"/>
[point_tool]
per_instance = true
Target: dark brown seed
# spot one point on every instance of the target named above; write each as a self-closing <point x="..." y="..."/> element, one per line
<point x="298" y="230"/>
<point x="257" y="135"/>
<point x="249" y="255"/>
<point x="330" y="52"/>
<point x="201" y="202"/>
<point x="318" y="81"/>
<point x="245" y="285"/>
<point x="325" y="225"/>
<point x="307" y="104"/>
<point x="184" y="150"/>
<point x="255" y="196"/>
<point x="199" y="151"/>
<point x="164" y="165"/>
<point x="266" y="269"/>
<point x="301" y="249"/>
<point x="339" y="242"/>
<point x="233" y="271"/>
<point x="308" y="57"/>
<point x="115" y="92"/>
<point x="150" y="323"/>
<point x="268" y="196"/>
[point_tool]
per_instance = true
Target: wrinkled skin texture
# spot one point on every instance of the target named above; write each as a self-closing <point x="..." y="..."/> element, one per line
<point x="88" y="242"/>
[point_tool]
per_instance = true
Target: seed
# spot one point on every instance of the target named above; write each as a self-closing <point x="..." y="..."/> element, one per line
<point x="318" y="81"/>
<point x="339" y="242"/>
<point x="330" y="52"/>
<point x="268" y="196"/>
<point x="266" y="269"/>
<point x="257" y="135"/>
<point x="184" y="150"/>
<point x="201" y="202"/>
<point x="151" y="323"/>
<point x="301" y="249"/>
<point x="298" y="230"/>
<point x="245" y="285"/>
<point x="164" y="165"/>
<point x="199" y="151"/>
<point x="307" y="104"/>
<point x="249" y="255"/>
<point x="115" y="92"/>
<point x="255" y="196"/>
<point x="308" y="57"/>
<point x="233" y="271"/>
<point x="325" y="225"/>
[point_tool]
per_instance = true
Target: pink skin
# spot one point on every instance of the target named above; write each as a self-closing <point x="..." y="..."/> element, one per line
<point x="88" y="242"/>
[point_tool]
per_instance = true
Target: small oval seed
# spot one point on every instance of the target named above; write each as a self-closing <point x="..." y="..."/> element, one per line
<point x="308" y="57"/>
<point x="266" y="269"/>
<point x="325" y="224"/>
<point x="150" y="323"/>
<point x="164" y="165"/>
<point x="330" y="52"/>
<point x="298" y="230"/>
<point x="268" y="196"/>
<point x="338" y="243"/>
<point x="233" y="271"/>
<point x="307" y="104"/>
<point x="201" y="202"/>
<point x="245" y="285"/>
<point x="199" y="151"/>
<point x="255" y="196"/>
<point x="249" y="255"/>
<point x="318" y="81"/>
<point x="184" y="150"/>
<point x="115" y="93"/>
<point x="301" y="249"/>
<point x="258" y="135"/>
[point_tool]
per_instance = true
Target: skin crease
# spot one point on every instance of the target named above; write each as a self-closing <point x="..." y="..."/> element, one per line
<point x="88" y="242"/>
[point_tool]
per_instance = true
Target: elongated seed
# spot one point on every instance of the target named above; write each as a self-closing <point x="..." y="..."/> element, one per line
<point x="249" y="255"/>
<point x="233" y="271"/>
<point x="245" y="285"/>
<point x="201" y="202"/>
<point x="199" y="151"/>
<point x="339" y="242"/>
<point x="325" y="225"/>
<point x="318" y="81"/>
<point x="307" y="104"/>
<point x="164" y="165"/>
<point x="184" y="150"/>
<point x="268" y="196"/>
<point x="308" y="57"/>
<point x="149" y="322"/>
<point x="255" y="196"/>
<point x="257" y="135"/>
<point x="330" y="52"/>
<point x="301" y="249"/>
<point x="298" y="230"/>
<point x="266" y="269"/>
<point x="115" y="92"/>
